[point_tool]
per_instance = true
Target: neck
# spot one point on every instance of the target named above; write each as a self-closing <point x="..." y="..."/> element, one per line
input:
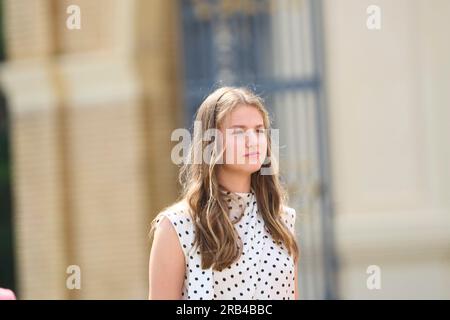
<point x="234" y="181"/>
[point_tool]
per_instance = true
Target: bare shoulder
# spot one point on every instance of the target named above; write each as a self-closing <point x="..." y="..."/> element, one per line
<point x="167" y="259"/>
<point x="165" y="228"/>
<point x="177" y="222"/>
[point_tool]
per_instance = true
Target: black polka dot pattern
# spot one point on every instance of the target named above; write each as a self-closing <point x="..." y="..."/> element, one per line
<point x="264" y="271"/>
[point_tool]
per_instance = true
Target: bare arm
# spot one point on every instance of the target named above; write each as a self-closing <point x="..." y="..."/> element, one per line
<point x="296" y="281"/>
<point x="166" y="265"/>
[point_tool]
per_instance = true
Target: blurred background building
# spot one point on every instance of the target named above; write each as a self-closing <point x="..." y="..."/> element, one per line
<point x="86" y="118"/>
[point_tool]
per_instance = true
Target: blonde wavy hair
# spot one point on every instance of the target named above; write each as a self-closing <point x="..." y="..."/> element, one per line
<point x="215" y="235"/>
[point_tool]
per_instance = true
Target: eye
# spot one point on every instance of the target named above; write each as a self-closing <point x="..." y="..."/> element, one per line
<point x="261" y="130"/>
<point x="238" y="131"/>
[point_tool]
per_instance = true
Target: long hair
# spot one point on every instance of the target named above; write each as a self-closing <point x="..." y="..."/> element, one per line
<point x="215" y="235"/>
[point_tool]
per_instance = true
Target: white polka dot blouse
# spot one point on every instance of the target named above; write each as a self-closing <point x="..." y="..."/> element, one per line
<point x="264" y="271"/>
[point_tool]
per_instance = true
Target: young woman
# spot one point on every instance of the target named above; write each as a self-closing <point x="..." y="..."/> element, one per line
<point x="230" y="236"/>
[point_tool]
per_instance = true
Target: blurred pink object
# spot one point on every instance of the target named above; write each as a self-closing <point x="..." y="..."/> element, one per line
<point x="6" y="294"/>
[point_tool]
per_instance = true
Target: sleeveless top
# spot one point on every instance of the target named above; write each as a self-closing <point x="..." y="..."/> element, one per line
<point x="264" y="271"/>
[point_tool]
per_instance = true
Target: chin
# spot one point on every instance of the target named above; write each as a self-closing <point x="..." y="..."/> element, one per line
<point x="250" y="168"/>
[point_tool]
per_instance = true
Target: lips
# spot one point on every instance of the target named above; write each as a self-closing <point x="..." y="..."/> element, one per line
<point x="251" y="154"/>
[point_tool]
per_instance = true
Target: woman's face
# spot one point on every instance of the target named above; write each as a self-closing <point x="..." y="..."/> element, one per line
<point x="245" y="139"/>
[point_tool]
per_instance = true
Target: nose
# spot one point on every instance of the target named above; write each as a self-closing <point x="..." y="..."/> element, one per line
<point x="251" y="139"/>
